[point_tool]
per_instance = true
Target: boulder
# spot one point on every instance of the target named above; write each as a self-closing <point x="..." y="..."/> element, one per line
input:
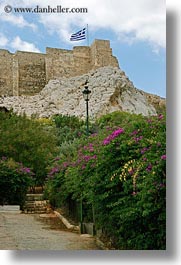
<point x="111" y="90"/>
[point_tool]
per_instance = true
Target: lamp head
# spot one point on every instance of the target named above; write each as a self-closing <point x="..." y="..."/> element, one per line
<point x="86" y="92"/>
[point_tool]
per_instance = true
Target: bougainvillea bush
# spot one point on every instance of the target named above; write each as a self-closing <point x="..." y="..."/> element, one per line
<point x="15" y="179"/>
<point x="29" y="141"/>
<point x="120" y="174"/>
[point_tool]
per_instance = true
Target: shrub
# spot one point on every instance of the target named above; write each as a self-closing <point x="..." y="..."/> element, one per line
<point x="119" y="173"/>
<point x="28" y="141"/>
<point x="68" y="128"/>
<point x="14" y="181"/>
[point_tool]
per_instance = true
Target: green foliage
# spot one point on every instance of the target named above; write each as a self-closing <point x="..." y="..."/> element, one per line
<point x="68" y="128"/>
<point x="28" y="141"/>
<point x="14" y="181"/>
<point x="120" y="173"/>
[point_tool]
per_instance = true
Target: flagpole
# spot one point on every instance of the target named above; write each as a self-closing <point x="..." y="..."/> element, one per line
<point x="87" y="35"/>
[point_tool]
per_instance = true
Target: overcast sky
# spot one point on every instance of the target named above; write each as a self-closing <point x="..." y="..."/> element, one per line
<point x="135" y="28"/>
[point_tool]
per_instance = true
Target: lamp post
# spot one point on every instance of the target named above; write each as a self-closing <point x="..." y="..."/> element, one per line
<point x="86" y="94"/>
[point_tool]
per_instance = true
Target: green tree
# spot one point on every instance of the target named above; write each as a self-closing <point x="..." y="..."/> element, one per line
<point x="28" y="141"/>
<point x="15" y="179"/>
<point x="120" y="172"/>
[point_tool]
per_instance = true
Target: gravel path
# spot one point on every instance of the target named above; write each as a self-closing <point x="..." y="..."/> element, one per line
<point x="30" y="232"/>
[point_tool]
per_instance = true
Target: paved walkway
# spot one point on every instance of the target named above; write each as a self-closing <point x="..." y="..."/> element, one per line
<point x="30" y="232"/>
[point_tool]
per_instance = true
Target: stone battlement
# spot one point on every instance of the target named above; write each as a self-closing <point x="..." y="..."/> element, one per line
<point x="26" y="73"/>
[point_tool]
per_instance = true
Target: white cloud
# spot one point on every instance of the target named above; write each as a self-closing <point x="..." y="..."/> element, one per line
<point x="18" y="44"/>
<point x="130" y="20"/>
<point x="138" y="20"/>
<point x="18" y="21"/>
<point x="3" y="40"/>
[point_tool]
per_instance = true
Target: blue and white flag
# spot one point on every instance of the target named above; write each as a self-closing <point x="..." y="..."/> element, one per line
<point x="80" y="35"/>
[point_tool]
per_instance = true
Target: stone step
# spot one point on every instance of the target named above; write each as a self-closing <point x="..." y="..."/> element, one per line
<point x="9" y="208"/>
<point x="35" y="211"/>
<point x="35" y="204"/>
<point x="38" y="203"/>
<point x="34" y="197"/>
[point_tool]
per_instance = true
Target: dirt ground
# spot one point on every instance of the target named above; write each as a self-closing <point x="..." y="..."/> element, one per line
<point x="32" y="232"/>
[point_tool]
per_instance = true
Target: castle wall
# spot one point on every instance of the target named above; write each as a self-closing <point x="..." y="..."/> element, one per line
<point x="26" y="73"/>
<point x="101" y="54"/>
<point x="32" y="76"/>
<point x="6" y="73"/>
<point x="64" y="63"/>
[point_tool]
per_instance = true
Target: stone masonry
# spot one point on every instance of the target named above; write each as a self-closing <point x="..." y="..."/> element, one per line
<point x="26" y="73"/>
<point x="111" y="90"/>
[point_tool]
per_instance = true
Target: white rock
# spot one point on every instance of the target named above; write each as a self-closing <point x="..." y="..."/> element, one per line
<point x="111" y="90"/>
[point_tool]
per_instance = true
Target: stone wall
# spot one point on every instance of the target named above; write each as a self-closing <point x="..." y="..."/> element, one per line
<point x="6" y="73"/>
<point x="26" y="73"/>
<point x="111" y="90"/>
<point x="32" y="76"/>
<point x="101" y="54"/>
<point x="64" y="63"/>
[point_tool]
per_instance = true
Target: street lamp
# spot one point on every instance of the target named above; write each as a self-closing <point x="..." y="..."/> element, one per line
<point x="86" y="94"/>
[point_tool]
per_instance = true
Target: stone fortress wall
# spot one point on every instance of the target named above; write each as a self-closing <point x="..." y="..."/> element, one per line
<point x="26" y="73"/>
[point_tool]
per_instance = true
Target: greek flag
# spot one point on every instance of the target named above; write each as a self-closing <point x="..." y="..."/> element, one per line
<point x="80" y="35"/>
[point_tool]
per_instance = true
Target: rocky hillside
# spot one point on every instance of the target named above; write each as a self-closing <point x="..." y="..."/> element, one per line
<point x="111" y="90"/>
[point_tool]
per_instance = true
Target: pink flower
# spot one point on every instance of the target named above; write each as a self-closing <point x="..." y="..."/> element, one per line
<point x="134" y="132"/>
<point x="112" y="136"/>
<point x="144" y="150"/>
<point x="149" y="121"/>
<point x="137" y="139"/>
<point x="57" y="158"/>
<point x="149" y="167"/>
<point x="163" y="157"/>
<point x="160" y="117"/>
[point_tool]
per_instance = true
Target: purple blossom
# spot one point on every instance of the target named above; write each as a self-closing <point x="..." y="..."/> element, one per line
<point x="137" y="139"/>
<point x="54" y="170"/>
<point x="159" y="185"/>
<point x="25" y="170"/>
<point x="143" y="150"/>
<point x="4" y="158"/>
<point x="112" y="136"/>
<point x="160" y="117"/>
<point x="57" y="158"/>
<point x="149" y="167"/>
<point x="163" y="157"/>
<point x="65" y="164"/>
<point x="106" y="141"/>
<point x="90" y="147"/>
<point x="94" y="135"/>
<point x="134" y="132"/>
<point x="149" y="121"/>
<point x="86" y="158"/>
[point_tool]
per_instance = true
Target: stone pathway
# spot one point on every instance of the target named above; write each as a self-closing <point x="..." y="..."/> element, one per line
<point x="31" y="232"/>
